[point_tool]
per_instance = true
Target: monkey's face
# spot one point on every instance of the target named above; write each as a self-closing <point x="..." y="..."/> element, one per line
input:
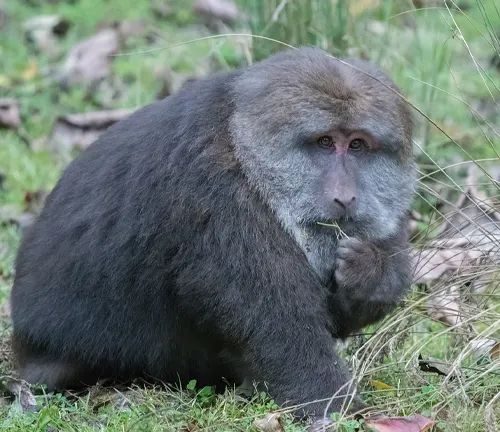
<point x="325" y="142"/>
<point x="357" y="183"/>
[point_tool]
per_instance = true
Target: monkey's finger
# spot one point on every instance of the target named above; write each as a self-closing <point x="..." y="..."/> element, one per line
<point x="348" y="254"/>
<point x="341" y="263"/>
<point x="353" y="243"/>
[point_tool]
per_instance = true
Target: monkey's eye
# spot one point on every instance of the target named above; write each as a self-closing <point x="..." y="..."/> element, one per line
<point x="357" y="144"/>
<point x="325" y="142"/>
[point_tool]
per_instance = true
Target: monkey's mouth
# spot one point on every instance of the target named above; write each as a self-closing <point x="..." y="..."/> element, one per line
<point x="335" y="222"/>
<point x="339" y="226"/>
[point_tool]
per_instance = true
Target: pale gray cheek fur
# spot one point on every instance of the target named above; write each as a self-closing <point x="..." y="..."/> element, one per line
<point x="387" y="193"/>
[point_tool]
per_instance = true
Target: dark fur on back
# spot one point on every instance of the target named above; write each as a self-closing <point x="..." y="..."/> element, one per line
<point x="154" y="256"/>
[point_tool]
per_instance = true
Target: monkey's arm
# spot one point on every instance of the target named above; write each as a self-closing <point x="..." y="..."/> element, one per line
<point x="250" y="287"/>
<point x="371" y="278"/>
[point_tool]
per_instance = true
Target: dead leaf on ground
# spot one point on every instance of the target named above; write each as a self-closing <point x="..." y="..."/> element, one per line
<point x="445" y="304"/>
<point x="9" y="215"/>
<point x="474" y="217"/>
<point x="414" y="423"/>
<point x="89" y="62"/>
<point x="439" y="257"/>
<point x="429" y="364"/>
<point x="81" y="130"/>
<point x="270" y="423"/>
<point x="10" y="116"/>
<point x="34" y="201"/>
<point x="222" y="10"/>
<point x="484" y="347"/>
<point x="43" y="31"/>
<point x="20" y="389"/>
<point x="162" y="9"/>
<point x="495" y="351"/>
<point x="462" y="259"/>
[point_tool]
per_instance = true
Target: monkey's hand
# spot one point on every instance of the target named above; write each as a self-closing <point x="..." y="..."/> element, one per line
<point x="371" y="278"/>
<point x="358" y="266"/>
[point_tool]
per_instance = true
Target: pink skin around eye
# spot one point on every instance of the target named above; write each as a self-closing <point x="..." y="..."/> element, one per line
<point x="342" y="141"/>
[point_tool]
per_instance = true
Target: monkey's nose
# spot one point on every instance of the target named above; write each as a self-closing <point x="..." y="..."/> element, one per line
<point x="344" y="204"/>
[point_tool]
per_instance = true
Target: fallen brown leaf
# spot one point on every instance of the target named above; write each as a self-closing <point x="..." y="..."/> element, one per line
<point x="20" y="389"/>
<point x="43" y="31"/>
<point x="161" y="9"/>
<point x="270" y="423"/>
<point x="9" y="113"/>
<point x="223" y="10"/>
<point x="429" y="364"/>
<point x="34" y="201"/>
<point x="481" y="347"/>
<point x="89" y="61"/>
<point x="444" y="304"/>
<point x="495" y="351"/>
<point x="81" y="130"/>
<point x="452" y="264"/>
<point x="438" y="257"/>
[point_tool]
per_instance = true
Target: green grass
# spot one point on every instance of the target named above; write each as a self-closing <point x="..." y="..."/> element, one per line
<point x="441" y="61"/>
<point x="156" y="409"/>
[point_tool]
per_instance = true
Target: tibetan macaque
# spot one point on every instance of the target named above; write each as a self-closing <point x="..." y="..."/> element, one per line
<point x="191" y="241"/>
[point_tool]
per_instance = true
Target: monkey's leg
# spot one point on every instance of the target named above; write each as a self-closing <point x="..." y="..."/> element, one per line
<point x="282" y="336"/>
<point x="38" y="367"/>
<point x="55" y="374"/>
<point x="297" y="364"/>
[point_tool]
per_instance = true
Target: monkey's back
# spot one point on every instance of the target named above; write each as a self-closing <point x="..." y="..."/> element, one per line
<point x="94" y="275"/>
